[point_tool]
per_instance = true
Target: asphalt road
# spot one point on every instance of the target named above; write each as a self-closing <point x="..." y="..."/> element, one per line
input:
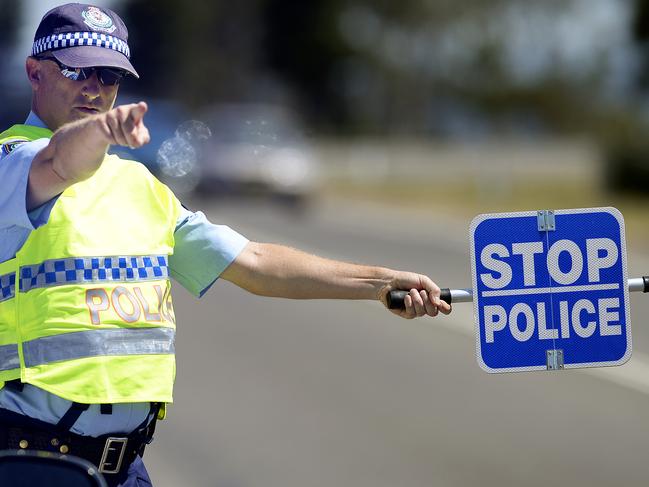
<point x="281" y="393"/>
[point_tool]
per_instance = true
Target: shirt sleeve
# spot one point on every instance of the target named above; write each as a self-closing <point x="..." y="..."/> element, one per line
<point x="202" y="251"/>
<point x="14" y="174"/>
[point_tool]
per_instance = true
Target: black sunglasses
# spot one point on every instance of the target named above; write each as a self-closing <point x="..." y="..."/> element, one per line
<point x="106" y="76"/>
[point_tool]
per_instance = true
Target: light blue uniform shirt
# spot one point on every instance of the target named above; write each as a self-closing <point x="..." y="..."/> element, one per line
<point x="202" y="251"/>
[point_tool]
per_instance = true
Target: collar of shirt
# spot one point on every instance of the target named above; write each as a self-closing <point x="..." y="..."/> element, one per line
<point x="35" y="121"/>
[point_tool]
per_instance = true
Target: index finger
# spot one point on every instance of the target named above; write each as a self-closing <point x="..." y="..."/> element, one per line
<point x="430" y="286"/>
<point x="137" y="112"/>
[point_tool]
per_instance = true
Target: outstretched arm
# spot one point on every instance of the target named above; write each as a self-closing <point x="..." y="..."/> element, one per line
<point x="77" y="149"/>
<point x="279" y="271"/>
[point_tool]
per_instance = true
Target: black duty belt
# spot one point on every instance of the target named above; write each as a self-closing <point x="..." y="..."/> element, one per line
<point x="110" y="453"/>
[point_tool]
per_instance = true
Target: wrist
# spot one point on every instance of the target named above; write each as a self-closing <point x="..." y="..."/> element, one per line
<point x="78" y="149"/>
<point x="100" y="128"/>
<point x="383" y="282"/>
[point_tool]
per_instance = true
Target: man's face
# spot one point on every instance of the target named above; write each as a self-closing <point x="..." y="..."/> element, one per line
<point x="59" y="100"/>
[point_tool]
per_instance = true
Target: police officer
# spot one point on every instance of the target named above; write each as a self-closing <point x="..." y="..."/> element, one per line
<point x="88" y="245"/>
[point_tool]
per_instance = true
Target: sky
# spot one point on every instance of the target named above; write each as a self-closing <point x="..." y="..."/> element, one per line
<point x="33" y="11"/>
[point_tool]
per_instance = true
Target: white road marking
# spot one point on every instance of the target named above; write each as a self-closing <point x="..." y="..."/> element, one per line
<point x="633" y="375"/>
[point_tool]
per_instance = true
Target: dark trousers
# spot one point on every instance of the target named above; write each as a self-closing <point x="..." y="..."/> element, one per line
<point x="135" y="476"/>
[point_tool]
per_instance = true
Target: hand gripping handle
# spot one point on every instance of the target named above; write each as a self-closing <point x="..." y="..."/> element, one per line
<point x="396" y="298"/>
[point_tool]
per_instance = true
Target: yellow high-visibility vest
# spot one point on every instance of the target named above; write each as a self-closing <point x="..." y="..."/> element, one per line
<point x="85" y="305"/>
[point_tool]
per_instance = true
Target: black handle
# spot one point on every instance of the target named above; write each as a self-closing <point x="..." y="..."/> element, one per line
<point x="395" y="298"/>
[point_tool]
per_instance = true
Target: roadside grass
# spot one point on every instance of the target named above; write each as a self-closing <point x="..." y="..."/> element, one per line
<point x="466" y="199"/>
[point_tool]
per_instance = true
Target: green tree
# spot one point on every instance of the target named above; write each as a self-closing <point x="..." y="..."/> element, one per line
<point x="196" y="52"/>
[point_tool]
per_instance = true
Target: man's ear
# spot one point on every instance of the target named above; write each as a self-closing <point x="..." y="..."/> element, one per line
<point x="33" y="68"/>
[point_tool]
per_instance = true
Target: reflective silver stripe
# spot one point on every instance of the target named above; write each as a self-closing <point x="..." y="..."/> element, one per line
<point x="74" y="270"/>
<point x="97" y="343"/>
<point x="9" y="359"/>
<point x="7" y="286"/>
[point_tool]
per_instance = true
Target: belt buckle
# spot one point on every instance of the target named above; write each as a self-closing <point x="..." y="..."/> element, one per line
<point x="112" y="445"/>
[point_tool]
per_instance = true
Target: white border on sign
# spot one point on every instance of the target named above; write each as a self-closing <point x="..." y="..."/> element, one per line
<point x="474" y="278"/>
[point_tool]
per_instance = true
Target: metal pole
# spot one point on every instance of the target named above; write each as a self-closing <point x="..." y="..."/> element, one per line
<point x="395" y="298"/>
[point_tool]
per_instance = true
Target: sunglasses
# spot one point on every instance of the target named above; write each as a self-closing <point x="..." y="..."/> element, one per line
<point x="106" y="76"/>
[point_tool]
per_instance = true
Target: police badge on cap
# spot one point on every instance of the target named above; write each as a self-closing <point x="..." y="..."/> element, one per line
<point x="98" y="20"/>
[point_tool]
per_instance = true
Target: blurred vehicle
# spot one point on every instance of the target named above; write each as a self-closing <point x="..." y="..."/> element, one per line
<point x="230" y="150"/>
<point x="257" y="150"/>
<point x="163" y="120"/>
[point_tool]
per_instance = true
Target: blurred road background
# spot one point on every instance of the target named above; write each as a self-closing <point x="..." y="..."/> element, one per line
<point x="374" y="131"/>
<point x="276" y="393"/>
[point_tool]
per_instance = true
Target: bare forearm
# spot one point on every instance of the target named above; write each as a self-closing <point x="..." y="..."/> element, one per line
<point x="74" y="153"/>
<point x="77" y="149"/>
<point x="278" y="271"/>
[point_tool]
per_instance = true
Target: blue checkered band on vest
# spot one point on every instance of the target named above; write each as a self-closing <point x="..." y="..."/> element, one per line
<point x="73" y="39"/>
<point x="7" y="286"/>
<point x="78" y="270"/>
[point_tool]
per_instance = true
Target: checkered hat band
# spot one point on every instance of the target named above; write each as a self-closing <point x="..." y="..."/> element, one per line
<point x="7" y="286"/>
<point x="74" y="39"/>
<point x="81" y="270"/>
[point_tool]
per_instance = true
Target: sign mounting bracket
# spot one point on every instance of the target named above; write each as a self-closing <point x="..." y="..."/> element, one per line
<point x="546" y="220"/>
<point x="555" y="359"/>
